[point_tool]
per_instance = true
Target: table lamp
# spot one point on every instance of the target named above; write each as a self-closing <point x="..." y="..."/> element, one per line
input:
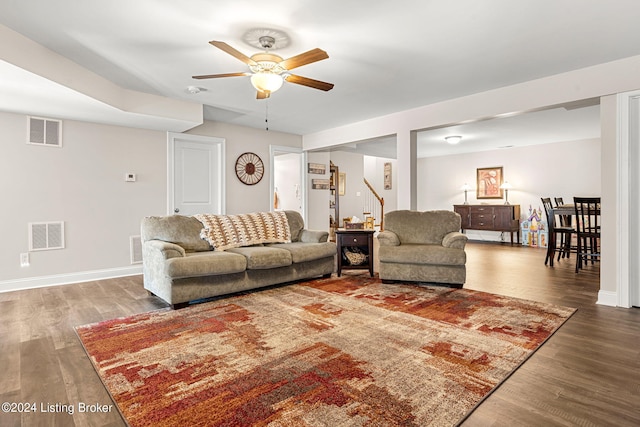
<point x="466" y="187"/>
<point x="506" y="186"/>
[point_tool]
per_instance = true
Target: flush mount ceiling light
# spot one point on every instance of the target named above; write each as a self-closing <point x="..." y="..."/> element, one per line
<point x="194" y="89"/>
<point x="268" y="71"/>
<point x="453" y="140"/>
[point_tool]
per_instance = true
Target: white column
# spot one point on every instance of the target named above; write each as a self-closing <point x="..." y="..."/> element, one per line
<point x="407" y="165"/>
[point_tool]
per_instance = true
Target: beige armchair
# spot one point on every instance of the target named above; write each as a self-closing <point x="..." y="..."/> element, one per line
<point x="422" y="247"/>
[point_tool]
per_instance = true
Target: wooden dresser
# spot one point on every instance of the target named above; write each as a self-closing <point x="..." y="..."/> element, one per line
<point x="491" y="218"/>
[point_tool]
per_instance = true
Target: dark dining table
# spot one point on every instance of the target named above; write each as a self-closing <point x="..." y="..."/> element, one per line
<point x="562" y="210"/>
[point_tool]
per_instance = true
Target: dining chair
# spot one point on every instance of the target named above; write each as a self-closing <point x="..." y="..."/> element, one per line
<point x="560" y="232"/>
<point x="566" y="221"/>
<point x="587" y="230"/>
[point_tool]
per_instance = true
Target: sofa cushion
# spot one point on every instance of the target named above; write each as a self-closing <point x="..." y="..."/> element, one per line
<point x="181" y="230"/>
<point x="263" y="257"/>
<point x="296" y="225"/>
<point x="302" y="252"/>
<point x="427" y="227"/>
<point x="205" y="264"/>
<point x="422" y="254"/>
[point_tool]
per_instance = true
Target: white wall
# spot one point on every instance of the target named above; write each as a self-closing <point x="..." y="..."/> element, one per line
<point x="563" y="169"/>
<point x="243" y="198"/>
<point x="374" y="172"/>
<point x="318" y="200"/>
<point x="83" y="185"/>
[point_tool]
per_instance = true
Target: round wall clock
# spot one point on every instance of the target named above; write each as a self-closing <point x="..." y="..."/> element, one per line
<point x="249" y="168"/>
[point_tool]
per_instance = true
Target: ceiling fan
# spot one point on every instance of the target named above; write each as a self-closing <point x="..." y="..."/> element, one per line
<point x="268" y="71"/>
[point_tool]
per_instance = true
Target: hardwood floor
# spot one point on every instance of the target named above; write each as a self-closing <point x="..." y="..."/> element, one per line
<point x="587" y="374"/>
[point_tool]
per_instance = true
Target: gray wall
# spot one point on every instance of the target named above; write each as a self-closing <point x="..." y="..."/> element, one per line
<point x="82" y="183"/>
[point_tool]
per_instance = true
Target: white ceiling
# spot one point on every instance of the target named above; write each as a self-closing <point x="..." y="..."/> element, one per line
<point x="384" y="56"/>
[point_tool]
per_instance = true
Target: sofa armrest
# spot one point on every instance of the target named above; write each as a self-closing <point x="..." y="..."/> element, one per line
<point x="388" y="238"/>
<point x="313" y="236"/>
<point x="165" y="250"/>
<point x="455" y="240"/>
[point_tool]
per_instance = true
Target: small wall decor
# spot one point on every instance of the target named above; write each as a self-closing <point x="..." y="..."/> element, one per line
<point x="320" y="184"/>
<point x="342" y="183"/>
<point x="316" y="168"/>
<point x="387" y="176"/>
<point x="489" y="182"/>
<point x="249" y="168"/>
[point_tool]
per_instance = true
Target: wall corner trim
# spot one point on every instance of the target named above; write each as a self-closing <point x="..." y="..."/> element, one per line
<point x="607" y="298"/>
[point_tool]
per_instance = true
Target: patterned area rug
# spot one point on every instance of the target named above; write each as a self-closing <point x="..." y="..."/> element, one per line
<point x="346" y="351"/>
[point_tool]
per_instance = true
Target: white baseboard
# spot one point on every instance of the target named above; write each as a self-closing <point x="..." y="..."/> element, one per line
<point x="66" y="279"/>
<point x="607" y="298"/>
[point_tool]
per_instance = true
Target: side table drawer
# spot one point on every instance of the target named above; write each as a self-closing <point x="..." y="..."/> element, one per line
<point x="355" y="240"/>
<point x="480" y="210"/>
<point x="482" y="221"/>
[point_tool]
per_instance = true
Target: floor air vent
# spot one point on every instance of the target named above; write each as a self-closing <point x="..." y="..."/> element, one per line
<point x="135" y="243"/>
<point x="45" y="132"/>
<point x="46" y="236"/>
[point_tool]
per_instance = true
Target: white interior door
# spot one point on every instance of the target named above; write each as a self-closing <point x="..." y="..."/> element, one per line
<point x="288" y="184"/>
<point x="196" y="174"/>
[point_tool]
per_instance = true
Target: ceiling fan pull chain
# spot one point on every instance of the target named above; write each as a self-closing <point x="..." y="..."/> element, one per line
<point x="266" y="114"/>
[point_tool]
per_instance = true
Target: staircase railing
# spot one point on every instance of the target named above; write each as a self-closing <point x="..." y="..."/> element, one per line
<point x="373" y="205"/>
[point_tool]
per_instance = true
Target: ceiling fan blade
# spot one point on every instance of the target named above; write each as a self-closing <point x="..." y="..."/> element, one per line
<point x="305" y="58"/>
<point x="305" y="81"/>
<point x="215" y="76"/>
<point x="263" y="95"/>
<point x="233" y="52"/>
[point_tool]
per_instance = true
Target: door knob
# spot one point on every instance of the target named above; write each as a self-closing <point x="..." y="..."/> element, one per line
<point x="176" y="210"/>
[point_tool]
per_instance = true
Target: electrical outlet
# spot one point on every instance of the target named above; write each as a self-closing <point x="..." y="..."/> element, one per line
<point x="24" y="259"/>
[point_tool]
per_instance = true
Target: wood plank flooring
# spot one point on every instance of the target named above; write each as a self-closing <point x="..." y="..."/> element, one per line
<point x="587" y="374"/>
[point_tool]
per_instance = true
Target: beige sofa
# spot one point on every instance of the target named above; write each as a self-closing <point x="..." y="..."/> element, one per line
<point x="180" y="267"/>
<point x="422" y="247"/>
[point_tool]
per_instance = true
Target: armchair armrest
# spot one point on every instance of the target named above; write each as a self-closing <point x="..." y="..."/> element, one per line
<point x="455" y="240"/>
<point x="314" y="236"/>
<point x="388" y="238"/>
<point x="165" y="250"/>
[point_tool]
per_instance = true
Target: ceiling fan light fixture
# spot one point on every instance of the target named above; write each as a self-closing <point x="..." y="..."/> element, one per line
<point x="269" y="71"/>
<point x="266" y="81"/>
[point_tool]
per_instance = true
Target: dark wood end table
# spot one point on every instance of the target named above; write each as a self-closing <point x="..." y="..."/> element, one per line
<point x="359" y="239"/>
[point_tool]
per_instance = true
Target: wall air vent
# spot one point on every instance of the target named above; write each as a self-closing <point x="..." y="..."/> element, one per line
<point x="135" y="245"/>
<point x="45" y="132"/>
<point x="45" y="236"/>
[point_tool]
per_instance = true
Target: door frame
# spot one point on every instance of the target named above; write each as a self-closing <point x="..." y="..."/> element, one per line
<point x="273" y="149"/>
<point x="171" y="143"/>
<point x="628" y="232"/>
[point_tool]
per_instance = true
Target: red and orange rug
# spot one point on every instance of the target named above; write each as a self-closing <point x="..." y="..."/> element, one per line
<point x="346" y="351"/>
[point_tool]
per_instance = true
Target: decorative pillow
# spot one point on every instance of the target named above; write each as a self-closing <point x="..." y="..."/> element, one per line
<point x="234" y="231"/>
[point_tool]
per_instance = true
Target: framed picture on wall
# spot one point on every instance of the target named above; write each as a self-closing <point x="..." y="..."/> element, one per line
<point x="387" y="176"/>
<point x="316" y="168"/>
<point x="489" y="182"/>
<point x="320" y="184"/>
